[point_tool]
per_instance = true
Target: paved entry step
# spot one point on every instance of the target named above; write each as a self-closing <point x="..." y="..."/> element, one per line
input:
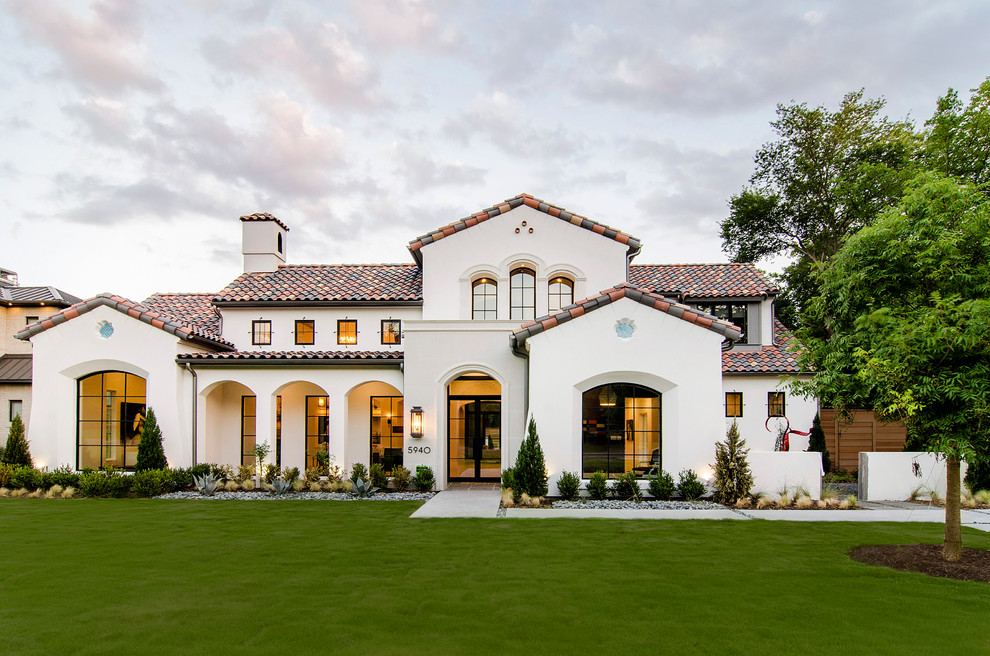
<point x="463" y="500"/>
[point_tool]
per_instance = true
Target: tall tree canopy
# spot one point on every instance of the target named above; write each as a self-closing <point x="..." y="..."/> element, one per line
<point x="957" y="138"/>
<point x="907" y="304"/>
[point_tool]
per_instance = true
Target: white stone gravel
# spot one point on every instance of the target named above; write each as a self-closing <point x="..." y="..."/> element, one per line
<point x="614" y="504"/>
<point x="301" y="496"/>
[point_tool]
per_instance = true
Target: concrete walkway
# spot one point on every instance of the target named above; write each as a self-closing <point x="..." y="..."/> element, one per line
<point x="483" y="500"/>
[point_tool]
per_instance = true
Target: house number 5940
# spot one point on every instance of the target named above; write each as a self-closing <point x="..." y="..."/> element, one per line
<point x="417" y="449"/>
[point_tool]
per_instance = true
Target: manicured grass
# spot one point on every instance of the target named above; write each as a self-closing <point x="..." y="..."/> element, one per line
<point x="109" y="576"/>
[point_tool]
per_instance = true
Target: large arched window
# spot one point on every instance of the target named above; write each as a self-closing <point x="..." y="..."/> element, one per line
<point x="522" y="294"/>
<point x="484" y="299"/>
<point x="111" y="413"/>
<point x="561" y="293"/>
<point x="620" y="430"/>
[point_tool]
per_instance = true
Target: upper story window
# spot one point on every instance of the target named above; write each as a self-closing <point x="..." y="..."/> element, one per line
<point x="522" y="294"/>
<point x="483" y="299"/>
<point x="261" y="332"/>
<point x="347" y="331"/>
<point x="775" y="404"/>
<point x="733" y="404"/>
<point x="734" y="313"/>
<point x="29" y="320"/>
<point x="391" y="331"/>
<point x="561" y="293"/>
<point x="305" y="331"/>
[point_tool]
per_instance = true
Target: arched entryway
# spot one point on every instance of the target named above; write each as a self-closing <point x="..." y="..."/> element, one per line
<point x="474" y="428"/>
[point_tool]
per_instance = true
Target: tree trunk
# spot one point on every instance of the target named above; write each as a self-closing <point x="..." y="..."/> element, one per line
<point x="952" y="546"/>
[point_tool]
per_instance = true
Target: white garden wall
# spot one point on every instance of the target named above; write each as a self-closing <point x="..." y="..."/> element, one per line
<point x="895" y="476"/>
<point x="775" y="471"/>
<point x="753" y="424"/>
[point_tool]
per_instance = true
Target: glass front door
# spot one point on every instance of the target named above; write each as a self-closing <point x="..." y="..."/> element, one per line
<point x="474" y="438"/>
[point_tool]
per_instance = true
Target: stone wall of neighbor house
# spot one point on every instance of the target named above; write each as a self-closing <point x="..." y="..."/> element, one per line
<point x="895" y="476"/>
<point x="776" y="471"/>
<point x="8" y="393"/>
<point x="493" y="248"/>
<point x="753" y="424"/>
<point x="676" y="358"/>
<point x="13" y="320"/>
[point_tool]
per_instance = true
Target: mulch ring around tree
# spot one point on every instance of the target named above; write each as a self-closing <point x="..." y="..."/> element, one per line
<point x="927" y="559"/>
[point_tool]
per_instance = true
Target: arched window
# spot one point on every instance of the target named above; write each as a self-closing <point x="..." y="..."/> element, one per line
<point x="483" y="299"/>
<point x="620" y="430"/>
<point x="522" y="294"/>
<point x="111" y="413"/>
<point x="561" y="293"/>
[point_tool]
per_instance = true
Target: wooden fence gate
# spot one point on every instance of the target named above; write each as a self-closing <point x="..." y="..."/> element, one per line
<point x="845" y="439"/>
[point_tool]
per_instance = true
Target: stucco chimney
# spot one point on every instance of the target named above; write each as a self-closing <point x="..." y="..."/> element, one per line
<point x="263" y="242"/>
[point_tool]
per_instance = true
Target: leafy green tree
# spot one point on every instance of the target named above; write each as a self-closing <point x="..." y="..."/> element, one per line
<point x="816" y="442"/>
<point x="957" y="138"/>
<point x="825" y="176"/>
<point x="16" y="452"/>
<point x="907" y="303"/>
<point x="733" y="478"/>
<point x="530" y="472"/>
<point x="151" y="453"/>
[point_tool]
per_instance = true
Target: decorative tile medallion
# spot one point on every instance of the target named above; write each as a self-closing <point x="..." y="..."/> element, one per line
<point x="105" y="329"/>
<point x="625" y="328"/>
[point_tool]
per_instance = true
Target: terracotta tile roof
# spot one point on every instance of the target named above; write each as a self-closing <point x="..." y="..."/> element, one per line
<point x="181" y="329"/>
<point x="702" y="280"/>
<point x="336" y="283"/>
<point x="357" y="356"/>
<point x="16" y="368"/>
<point x="264" y="216"/>
<point x="16" y="295"/>
<point x="194" y="309"/>
<point x="511" y="204"/>
<point x="773" y="359"/>
<point x="625" y="290"/>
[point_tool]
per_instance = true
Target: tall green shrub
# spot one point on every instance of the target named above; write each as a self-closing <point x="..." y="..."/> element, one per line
<point x="151" y="453"/>
<point x="816" y="442"/>
<point x="531" y="467"/>
<point x="733" y="478"/>
<point x="16" y="452"/>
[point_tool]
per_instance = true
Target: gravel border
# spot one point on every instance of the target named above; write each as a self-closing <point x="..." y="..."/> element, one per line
<point x="300" y="496"/>
<point x="632" y="505"/>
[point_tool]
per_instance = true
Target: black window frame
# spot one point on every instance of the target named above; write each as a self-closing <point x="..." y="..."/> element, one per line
<point x="322" y="433"/>
<point x="729" y="314"/>
<point x="559" y="280"/>
<point x="771" y="403"/>
<point x="255" y="324"/>
<point x="20" y="402"/>
<point x="312" y="331"/>
<point x="522" y="311"/>
<point x="397" y="332"/>
<point x="106" y="425"/>
<point x="738" y="403"/>
<point x="395" y="419"/>
<point x="482" y="313"/>
<point x="247" y="456"/>
<point x="342" y="322"/>
<point x="32" y="319"/>
<point x="608" y="424"/>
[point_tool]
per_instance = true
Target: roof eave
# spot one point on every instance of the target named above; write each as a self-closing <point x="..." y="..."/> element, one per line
<point x="291" y="362"/>
<point x="304" y="303"/>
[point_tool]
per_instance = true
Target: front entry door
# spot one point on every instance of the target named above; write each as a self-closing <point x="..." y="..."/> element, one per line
<point x="474" y="438"/>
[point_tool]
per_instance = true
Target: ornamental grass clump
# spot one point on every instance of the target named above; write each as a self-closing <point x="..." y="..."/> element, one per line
<point x="733" y="478"/>
<point x="68" y="493"/>
<point x="531" y="469"/>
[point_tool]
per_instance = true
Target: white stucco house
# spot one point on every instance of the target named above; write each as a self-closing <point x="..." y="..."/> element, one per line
<point x="522" y="309"/>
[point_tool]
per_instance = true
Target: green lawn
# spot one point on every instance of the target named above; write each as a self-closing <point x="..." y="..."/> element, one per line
<point x="99" y="576"/>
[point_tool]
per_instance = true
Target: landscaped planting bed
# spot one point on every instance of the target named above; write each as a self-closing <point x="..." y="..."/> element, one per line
<point x="136" y="576"/>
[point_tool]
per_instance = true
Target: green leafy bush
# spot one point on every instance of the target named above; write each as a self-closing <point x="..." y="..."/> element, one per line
<point x="424" y="481"/>
<point x="569" y="485"/>
<point x="271" y="472"/>
<point x="377" y="476"/>
<point x="151" y="454"/>
<point x="323" y="462"/>
<point x="93" y="483"/>
<point x="359" y="471"/>
<point x="733" y="478"/>
<point x="202" y="469"/>
<point x="816" y="442"/>
<point x="26" y="477"/>
<point x="244" y="472"/>
<point x="63" y="476"/>
<point x="151" y="482"/>
<point x="16" y="452"/>
<point x="400" y="478"/>
<point x="689" y="486"/>
<point x="661" y="484"/>
<point x="6" y="472"/>
<point x="509" y="479"/>
<point x="531" y="469"/>
<point x="627" y="487"/>
<point x="182" y="479"/>
<point x="118" y="484"/>
<point x="598" y="486"/>
<point x="291" y="474"/>
<point x="978" y="476"/>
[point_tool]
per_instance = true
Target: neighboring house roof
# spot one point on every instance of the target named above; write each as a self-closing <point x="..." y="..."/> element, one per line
<point x="36" y="296"/>
<point x="771" y="359"/>
<point x="310" y="284"/>
<point x="15" y="368"/>
<point x="702" y="280"/>
<point x="181" y="329"/>
<point x="293" y="357"/>
<point x="194" y="309"/>
<point x="625" y="290"/>
<point x="264" y="216"/>
<point x="510" y="204"/>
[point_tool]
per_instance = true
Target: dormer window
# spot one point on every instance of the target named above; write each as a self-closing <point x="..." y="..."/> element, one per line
<point x="522" y="294"/>
<point x="734" y="313"/>
<point x="484" y="295"/>
<point x="561" y="294"/>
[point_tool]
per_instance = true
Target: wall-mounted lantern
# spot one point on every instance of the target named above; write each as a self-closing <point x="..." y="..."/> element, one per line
<point x="416" y="421"/>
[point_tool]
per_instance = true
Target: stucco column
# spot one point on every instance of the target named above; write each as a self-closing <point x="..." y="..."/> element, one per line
<point x="265" y="421"/>
<point x="338" y="426"/>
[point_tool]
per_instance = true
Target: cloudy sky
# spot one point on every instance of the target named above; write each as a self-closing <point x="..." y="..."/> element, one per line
<point x="133" y="134"/>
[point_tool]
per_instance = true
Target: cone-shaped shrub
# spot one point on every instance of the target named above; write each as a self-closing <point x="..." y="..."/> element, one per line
<point x="733" y="478"/>
<point x="531" y="468"/>
<point x="816" y="442"/>
<point x="16" y="452"/>
<point x="151" y="454"/>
